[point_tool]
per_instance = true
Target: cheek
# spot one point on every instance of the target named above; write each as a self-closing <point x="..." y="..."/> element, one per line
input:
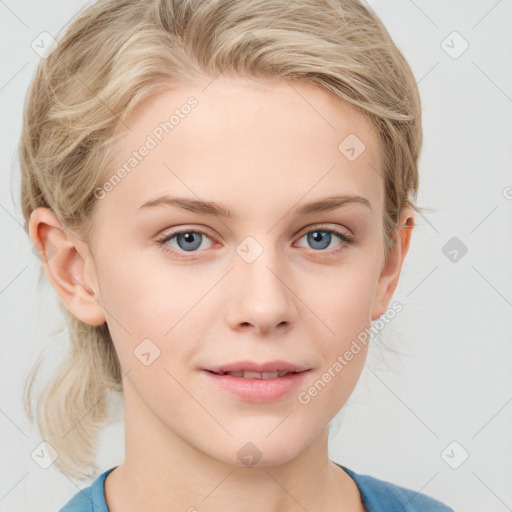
<point x="148" y="298"/>
<point x="157" y="315"/>
<point x="343" y="307"/>
<point x="342" y="339"/>
<point x="342" y="299"/>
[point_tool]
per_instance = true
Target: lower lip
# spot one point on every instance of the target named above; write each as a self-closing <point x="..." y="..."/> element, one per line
<point x="258" y="390"/>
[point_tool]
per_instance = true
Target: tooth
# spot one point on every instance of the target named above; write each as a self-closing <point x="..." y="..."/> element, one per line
<point x="282" y="374"/>
<point x="270" y="375"/>
<point x="236" y="374"/>
<point x="252" y="375"/>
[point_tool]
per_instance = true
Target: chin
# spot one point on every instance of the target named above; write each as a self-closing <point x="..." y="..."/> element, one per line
<point x="261" y="450"/>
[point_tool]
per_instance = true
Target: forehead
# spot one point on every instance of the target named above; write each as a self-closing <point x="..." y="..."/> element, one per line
<point x="247" y="142"/>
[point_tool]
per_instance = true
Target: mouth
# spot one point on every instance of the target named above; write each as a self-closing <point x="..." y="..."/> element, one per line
<point x="257" y="382"/>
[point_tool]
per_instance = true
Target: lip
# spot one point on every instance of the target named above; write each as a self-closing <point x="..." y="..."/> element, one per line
<point x="257" y="390"/>
<point x="253" y="366"/>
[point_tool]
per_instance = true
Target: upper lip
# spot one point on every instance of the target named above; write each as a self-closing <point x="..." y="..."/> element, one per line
<point x="253" y="366"/>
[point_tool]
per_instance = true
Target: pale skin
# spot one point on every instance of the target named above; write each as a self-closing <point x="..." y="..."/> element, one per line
<point x="260" y="149"/>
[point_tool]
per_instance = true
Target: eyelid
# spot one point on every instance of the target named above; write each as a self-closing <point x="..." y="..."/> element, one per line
<point x="188" y="229"/>
<point x="324" y="227"/>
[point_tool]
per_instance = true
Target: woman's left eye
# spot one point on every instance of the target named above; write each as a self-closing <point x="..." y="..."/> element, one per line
<point x="321" y="238"/>
<point x="191" y="240"/>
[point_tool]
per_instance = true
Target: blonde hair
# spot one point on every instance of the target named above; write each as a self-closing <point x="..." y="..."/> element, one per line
<point x="118" y="53"/>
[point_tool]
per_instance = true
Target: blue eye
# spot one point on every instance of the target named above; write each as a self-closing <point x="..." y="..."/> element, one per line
<point x="321" y="238"/>
<point x="189" y="241"/>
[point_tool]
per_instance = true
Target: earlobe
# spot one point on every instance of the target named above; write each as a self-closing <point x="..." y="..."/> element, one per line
<point x="390" y="273"/>
<point x="65" y="266"/>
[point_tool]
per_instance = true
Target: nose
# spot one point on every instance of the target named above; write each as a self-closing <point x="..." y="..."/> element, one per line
<point x="261" y="296"/>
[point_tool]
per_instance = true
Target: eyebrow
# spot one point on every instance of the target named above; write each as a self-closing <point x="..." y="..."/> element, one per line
<point x="219" y="210"/>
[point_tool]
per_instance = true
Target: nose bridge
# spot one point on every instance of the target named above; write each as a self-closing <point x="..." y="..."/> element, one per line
<point x="259" y="265"/>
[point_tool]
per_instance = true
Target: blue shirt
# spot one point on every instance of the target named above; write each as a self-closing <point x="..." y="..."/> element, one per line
<point x="378" y="496"/>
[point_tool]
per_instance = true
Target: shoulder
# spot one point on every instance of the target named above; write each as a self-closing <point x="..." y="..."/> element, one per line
<point x="89" y="499"/>
<point x="381" y="496"/>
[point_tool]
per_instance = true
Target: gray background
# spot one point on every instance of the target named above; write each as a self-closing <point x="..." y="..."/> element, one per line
<point x="455" y="382"/>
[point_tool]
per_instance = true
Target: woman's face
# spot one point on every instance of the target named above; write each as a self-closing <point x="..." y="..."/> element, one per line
<point x="269" y="282"/>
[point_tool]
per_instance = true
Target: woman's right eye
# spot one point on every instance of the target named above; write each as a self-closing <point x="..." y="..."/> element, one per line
<point x="187" y="241"/>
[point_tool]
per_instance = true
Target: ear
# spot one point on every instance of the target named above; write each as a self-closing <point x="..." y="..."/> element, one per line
<point x="68" y="265"/>
<point x="391" y="268"/>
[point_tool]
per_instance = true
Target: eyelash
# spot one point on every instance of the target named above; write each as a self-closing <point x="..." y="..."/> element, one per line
<point x="161" y="242"/>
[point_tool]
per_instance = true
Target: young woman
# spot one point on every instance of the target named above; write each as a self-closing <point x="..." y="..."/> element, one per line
<point x="223" y="196"/>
